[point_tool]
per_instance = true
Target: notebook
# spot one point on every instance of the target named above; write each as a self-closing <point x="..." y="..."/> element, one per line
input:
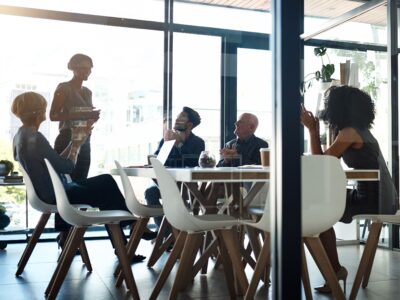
<point x="162" y="154"/>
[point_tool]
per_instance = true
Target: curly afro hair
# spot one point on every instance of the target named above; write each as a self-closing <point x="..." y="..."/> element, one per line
<point x="347" y="106"/>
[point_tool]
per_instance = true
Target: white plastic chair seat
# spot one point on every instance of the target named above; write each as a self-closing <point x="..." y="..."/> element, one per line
<point x="89" y="218"/>
<point x="81" y="220"/>
<point x="135" y="207"/>
<point x="36" y="202"/>
<point x="213" y="222"/>
<point x="323" y="203"/>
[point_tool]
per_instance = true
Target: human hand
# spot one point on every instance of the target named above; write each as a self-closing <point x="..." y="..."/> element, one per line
<point x="308" y="120"/>
<point x="228" y="154"/>
<point x="79" y="134"/>
<point x="170" y="135"/>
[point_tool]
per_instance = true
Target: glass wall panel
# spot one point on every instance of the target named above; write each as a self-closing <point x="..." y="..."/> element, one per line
<point x="126" y="81"/>
<point x="370" y="70"/>
<point x="254" y="88"/>
<point x="196" y="83"/>
<point x="151" y="10"/>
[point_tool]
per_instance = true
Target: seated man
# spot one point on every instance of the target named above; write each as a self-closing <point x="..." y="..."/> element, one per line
<point x="185" y="152"/>
<point x="245" y="148"/>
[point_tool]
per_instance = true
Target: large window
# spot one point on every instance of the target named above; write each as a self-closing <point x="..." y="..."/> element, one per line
<point x="254" y="87"/>
<point x="196" y="83"/>
<point x="126" y="81"/>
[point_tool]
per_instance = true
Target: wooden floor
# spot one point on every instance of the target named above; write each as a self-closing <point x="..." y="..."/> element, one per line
<point x="384" y="282"/>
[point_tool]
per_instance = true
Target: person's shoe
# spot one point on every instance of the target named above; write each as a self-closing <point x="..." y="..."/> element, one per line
<point x="61" y="239"/>
<point x="149" y="235"/>
<point x="170" y="247"/>
<point x="340" y="275"/>
<point x="138" y="258"/>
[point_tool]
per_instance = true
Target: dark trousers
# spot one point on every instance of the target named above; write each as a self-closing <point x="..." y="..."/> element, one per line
<point x="99" y="191"/>
<point x="82" y="165"/>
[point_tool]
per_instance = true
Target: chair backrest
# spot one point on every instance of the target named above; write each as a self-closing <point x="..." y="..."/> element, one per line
<point x="174" y="208"/>
<point x="32" y="196"/>
<point x="323" y="194"/>
<point x="323" y="185"/>
<point x="69" y="213"/>
<point x="131" y="201"/>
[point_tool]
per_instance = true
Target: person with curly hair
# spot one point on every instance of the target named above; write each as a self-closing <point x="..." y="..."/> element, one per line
<point x="350" y="114"/>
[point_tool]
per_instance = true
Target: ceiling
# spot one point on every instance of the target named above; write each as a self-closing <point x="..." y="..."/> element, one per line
<point x="316" y="8"/>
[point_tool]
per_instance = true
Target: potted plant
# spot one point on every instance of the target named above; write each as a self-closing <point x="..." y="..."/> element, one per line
<point x="324" y="74"/>
<point x="4" y="219"/>
<point x="6" y="167"/>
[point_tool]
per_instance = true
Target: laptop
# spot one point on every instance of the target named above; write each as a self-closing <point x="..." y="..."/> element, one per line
<point x="165" y="151"/>
<point x="162" y="154"/>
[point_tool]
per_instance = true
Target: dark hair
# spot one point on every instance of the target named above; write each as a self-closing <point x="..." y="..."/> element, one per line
<point x="347" y="106"/>
<point x="77" y="59"/>
<point x="193" y="115"/>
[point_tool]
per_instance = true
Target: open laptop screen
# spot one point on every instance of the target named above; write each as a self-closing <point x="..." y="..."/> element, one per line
<point x="165" y="151"/>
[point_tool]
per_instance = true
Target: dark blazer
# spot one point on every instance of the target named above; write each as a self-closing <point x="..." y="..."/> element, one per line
<point x="187" y="155"/>
<point x="248" y="152"/>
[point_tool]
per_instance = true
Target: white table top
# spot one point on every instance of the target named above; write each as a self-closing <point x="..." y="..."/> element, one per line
<point x="229" y="174"/>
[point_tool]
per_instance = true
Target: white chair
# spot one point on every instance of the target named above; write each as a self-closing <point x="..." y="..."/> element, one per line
<point x="81" y="220"/>
<point x="367" y="259"/>
<point x="46" y="210"/>
<point x="323" y="202"/>
<point x="192" y="228"/>
<point x="144" y="213"/>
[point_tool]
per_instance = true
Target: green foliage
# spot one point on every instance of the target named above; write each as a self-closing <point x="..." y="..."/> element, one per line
<point x="324" y="74"/>
<point x="372" y="80"/>
<point x="14" y="194"/>
<point x="2" y="209"/>
<point x="9" y="165"/>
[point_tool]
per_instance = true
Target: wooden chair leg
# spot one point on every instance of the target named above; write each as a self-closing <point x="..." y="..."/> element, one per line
<point x="32" y="243"/>
<point x="67" y="245"/>
<point x="208" y="240"/>
<point x="232" y="245"/>
<point x="116" y="236"/>
<point x="160" y="245"/>
<point x="304" y="274"/>
<point x="132" y="245"/>
<point x="212" y="248"/>
<point x="175" y="253"/>
<point x="367" y="258"/>
<point x="85" y="256"/>
<point x="370" y="262"/>
<point x="325" y="266"/>
<point x="227" y="265"/>
<point x="192" y="246"/>
<point x="262" y="261"/>
<point x="65" y="262"/>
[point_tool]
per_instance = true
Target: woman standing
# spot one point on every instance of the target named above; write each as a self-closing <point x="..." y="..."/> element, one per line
<point x="350" y="113"/>
<point x="72" y="106"/>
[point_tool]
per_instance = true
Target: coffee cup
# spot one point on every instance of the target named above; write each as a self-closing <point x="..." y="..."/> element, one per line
<point x="264" y="154"/>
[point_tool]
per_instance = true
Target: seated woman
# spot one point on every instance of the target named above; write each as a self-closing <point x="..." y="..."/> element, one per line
<point x="31" y="148"/>
<point x="350" y="114"/>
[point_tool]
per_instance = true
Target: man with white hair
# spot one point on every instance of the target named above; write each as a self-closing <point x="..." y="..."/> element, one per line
<point x="245" y="148"/>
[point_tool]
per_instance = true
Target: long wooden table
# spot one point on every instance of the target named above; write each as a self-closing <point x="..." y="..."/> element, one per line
<point x="230" y="175"/>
